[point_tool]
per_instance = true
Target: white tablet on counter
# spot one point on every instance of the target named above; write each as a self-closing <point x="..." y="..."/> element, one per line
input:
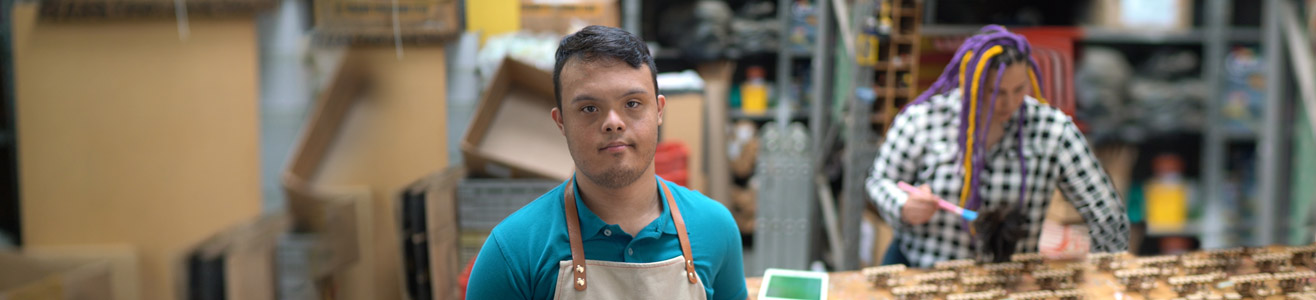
<point x="780" y="284"/>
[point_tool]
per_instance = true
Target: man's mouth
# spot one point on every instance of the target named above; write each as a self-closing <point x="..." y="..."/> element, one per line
<point x="615" y="147"/>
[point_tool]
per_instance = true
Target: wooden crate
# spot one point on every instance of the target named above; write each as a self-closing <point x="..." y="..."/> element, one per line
<point x="383" y="22"/>
<point x="125" y="9"/>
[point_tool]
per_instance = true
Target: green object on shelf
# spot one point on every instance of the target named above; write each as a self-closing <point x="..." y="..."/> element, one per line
<point x="1137" y="204"/>
<point x="1304" y="171"/>
<point x="733" y="97"/>
<point x="842" y="83"/>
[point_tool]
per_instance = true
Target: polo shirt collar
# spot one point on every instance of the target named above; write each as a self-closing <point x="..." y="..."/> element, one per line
<point x="592" y="226"/>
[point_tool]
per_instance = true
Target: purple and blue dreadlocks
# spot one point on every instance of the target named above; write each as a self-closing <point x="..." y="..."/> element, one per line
<point x="993" y="48"/>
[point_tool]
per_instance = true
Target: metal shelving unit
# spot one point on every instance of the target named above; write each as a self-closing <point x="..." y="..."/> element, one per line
<point x="861" y="142"/>
<point x="1214" y="51"/>
<point x="1270" y="179"/>
<point x="1300" y="62"/>
<point x="1104" y="35"/>
<point x="1290" y="80"/>
<point x="1270" y="185"/>
<point x="815" y="118"/>
<point x="786" y="220"/>
<point x="875" y="103"/>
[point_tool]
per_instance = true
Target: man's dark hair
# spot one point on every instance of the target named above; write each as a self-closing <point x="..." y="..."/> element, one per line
<point x="601" y="42"/>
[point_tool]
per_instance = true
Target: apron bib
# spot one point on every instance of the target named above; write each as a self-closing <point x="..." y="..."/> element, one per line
<point x="673" y="278"/>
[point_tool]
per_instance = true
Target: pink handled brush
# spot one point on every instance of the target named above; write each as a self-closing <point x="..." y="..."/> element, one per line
<point x="943" y="204"/>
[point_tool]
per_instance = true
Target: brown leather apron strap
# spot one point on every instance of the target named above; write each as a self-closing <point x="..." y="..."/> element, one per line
<point x="578" y="247"/>
<point x="680" y="234"/>
<point x="573" y="233"/>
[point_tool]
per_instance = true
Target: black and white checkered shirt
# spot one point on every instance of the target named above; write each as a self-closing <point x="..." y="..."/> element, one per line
<point x="923" y="148"/>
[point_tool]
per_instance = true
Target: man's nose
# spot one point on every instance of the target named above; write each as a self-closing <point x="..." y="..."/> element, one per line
<point x="613" y="122"/>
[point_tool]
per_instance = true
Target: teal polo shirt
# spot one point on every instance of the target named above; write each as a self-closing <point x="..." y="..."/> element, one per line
<point x="520" y="258"/>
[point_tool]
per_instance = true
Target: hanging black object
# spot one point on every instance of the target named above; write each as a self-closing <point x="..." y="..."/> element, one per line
<point x="415" y="246"/>
<point x="1000" y="230"/>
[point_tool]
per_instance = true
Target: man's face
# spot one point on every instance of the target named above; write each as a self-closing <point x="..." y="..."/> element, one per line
<point x="610" y="118"/>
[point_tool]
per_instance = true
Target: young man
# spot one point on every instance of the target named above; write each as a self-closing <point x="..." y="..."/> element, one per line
<point x="615" y="230"/>
<point x="975" y="138"/>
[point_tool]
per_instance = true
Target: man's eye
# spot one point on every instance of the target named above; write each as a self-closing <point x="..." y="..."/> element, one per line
<point x="589" y="109"/>
<point x="633" y="104"/>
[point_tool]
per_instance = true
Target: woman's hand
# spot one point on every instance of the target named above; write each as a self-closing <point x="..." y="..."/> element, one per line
<point x="919" y="207"/>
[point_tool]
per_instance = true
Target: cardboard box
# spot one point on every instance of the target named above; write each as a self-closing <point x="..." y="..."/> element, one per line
<point x="373" y="21"/>
<point x="882" y="236"/>
<point x="125" y="9"/>
<point x="512" y="133"/>
<point x="717" y="84"/>
<point x="567" y="16"/>
<point x="744" y="208"/>
<point x="333" y="216"/>
<point x="1311" y="18"/>
<point x="184" y="118"/>
<point x="1062" y="211"/>
<point x="375" y="142"/>
<point x="237" y="263"/>
<point x="28" y="278"/>
<point x="125" y="274"/>
<point x="434" y="248"/>
<point x="335" y="219"/>
<point x="683" y="121"/>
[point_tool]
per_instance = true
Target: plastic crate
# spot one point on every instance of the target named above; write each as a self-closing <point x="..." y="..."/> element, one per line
<point x="483" y="203"/>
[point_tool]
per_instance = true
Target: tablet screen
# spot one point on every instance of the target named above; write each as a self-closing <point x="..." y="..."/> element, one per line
<point x="792" y="287"/>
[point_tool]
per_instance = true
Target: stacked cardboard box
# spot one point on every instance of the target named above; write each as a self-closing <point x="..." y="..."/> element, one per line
<point x="429" y="228"/>
<point x="563" y="17"/>
<point x="513" y="117"/>
<point x="237" y="263"/>
<point x="28" y="278"/>
<point x="132" y="136"/>
<point x="370" y="21"/>
<point x="378" y="128"/>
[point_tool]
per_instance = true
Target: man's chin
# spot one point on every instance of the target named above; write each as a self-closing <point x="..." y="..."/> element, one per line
<point x="614" y="177"/>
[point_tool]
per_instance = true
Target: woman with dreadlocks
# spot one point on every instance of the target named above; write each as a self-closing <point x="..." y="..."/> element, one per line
<point x="978" y="140"/>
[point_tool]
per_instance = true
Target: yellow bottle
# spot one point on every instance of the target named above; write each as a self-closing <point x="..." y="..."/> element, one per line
<point x="754" y="92"/>
<point x="1167" y="196"/>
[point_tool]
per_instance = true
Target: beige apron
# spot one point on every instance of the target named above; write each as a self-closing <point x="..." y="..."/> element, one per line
<point x="674" y="278"/>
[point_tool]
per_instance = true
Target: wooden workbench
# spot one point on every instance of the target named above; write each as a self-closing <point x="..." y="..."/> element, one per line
<point x="1097" y="285"/>
<point x="852" y="285"/>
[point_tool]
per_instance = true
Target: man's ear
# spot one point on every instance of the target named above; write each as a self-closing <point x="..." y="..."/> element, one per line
<point x="557" y="119"/>
<point x="662" y="104"/>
